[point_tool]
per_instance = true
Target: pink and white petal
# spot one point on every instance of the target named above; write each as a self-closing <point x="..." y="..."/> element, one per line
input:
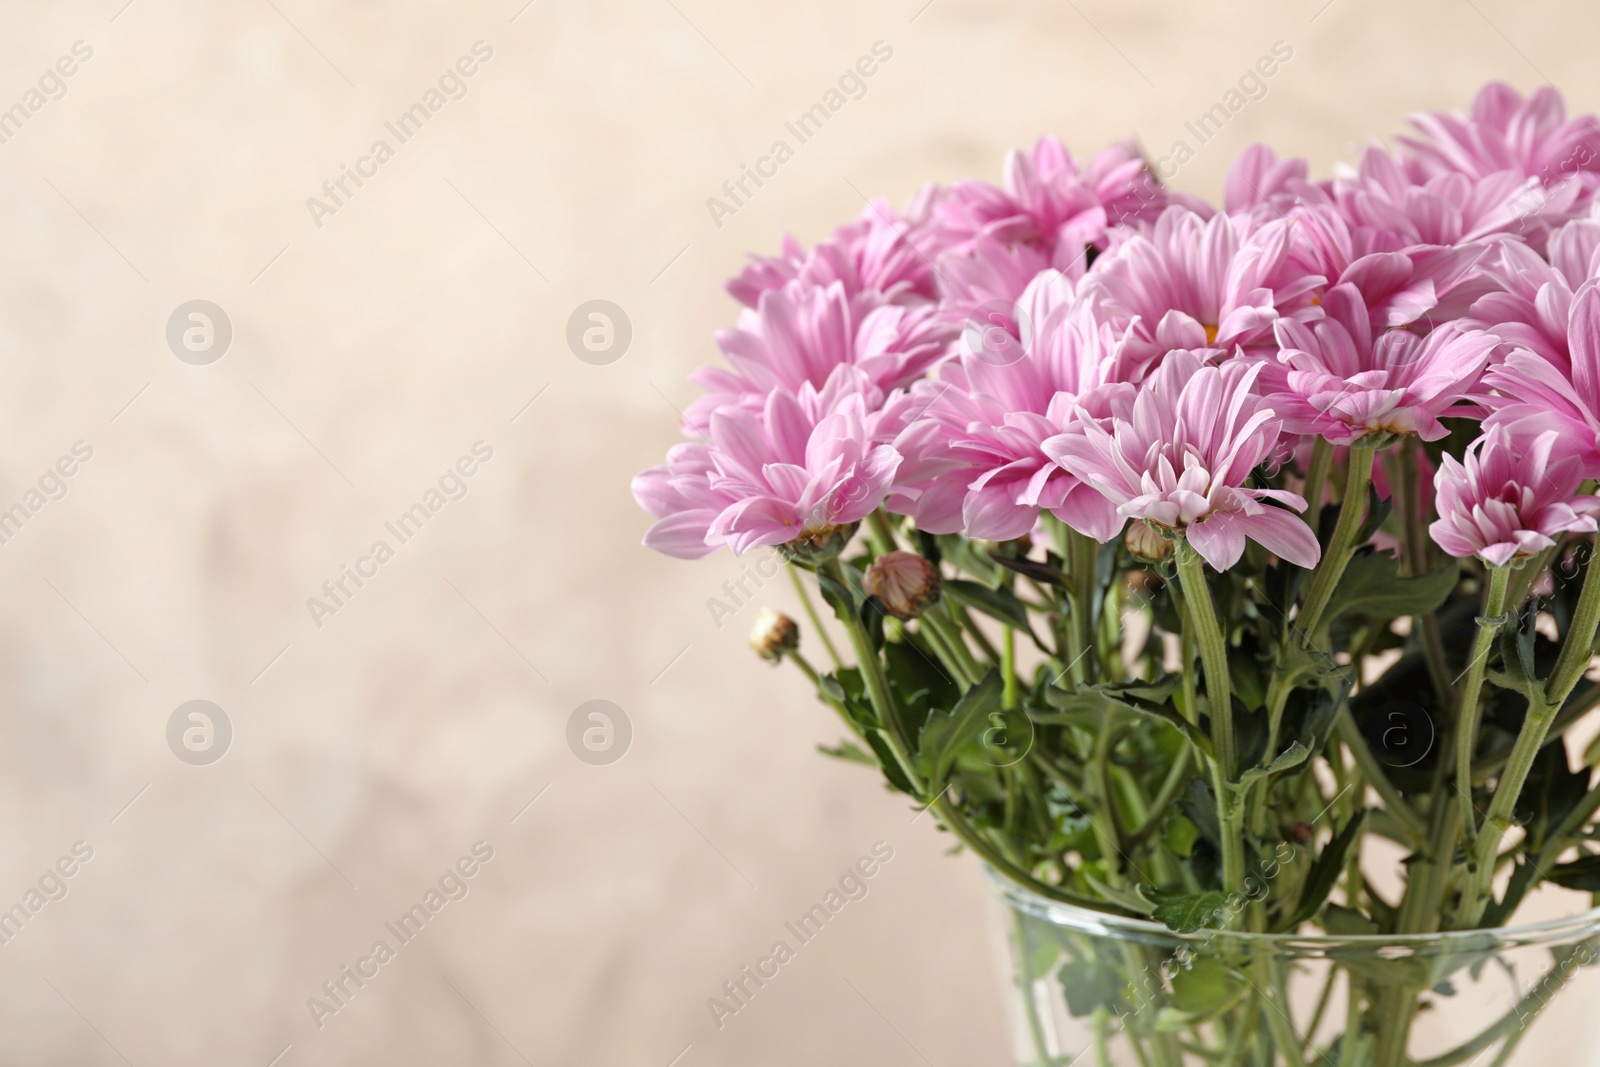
<point x="1090" y="513"/>
<point x="1218" y="539"/>
<point x="683" y="536"/>
<point x="1284" y="534"/>
<point x="993" y="513"/>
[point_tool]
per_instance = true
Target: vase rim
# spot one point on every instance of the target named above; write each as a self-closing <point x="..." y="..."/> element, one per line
<point x="1093" y="921"/>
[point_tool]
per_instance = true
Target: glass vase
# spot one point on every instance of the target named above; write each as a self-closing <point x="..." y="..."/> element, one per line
<point x="1100" y="990"/>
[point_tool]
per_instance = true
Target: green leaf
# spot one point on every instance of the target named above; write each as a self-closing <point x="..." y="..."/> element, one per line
<point x="1044" y="573"/>
<point x="1549" y="795"/>
<point x="1581" y="874"/>
<point x="850" y="752"/>
<point x="891" y="765"/>
<point x="1292" y="756"/>
<point x="1185" y="912"/>
<point x="1205" y="987"/>
<point x="919" y="682"/>
<point x="837" y="596"/>
<point x="1346" y="922"/>
<point x="1324" y="873"/>
<point x="1200" y="807"/>
<point x="1089" y="987"/>
<point x="1088" y="705"/>
<point x="1372" y="585"/>
<point x="962" y="553"/>
<point x="947" y="733"/>
<point x="847" y="688"/>
<point x="999" y="604"/>
<point x="1121" y="897"/>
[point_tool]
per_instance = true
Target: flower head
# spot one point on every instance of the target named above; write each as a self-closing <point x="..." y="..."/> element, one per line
<point x="1531" y="304"/>
<point x="1510" y="497"/>
<point x="1175" y="286"/>
<point x="1052" y="203"/>
<point x="1180" y="452"/>
<point x="1335" y="379"/>
<point x="1538" y="393"/>
<point x="974" y="456"/>
<point x="884" y="252"/>
<point x="799" y="334"/>
<point x="1531" y="137"/>
<point x="1400" y="208"/>
<point x="799" y="468"/>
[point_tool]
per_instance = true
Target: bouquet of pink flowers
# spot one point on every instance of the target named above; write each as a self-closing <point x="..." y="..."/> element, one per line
<point x="1162" y="536"/>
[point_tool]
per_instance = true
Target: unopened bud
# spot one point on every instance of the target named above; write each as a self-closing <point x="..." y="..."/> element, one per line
<point x="775" y="635"/>
<point x="1146" y="543"/>
<point x="905" y="582"/>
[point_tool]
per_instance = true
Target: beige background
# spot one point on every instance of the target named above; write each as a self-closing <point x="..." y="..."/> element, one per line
<point x="370" y="353"/>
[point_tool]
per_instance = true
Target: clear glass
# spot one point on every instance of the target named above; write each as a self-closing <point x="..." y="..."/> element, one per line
<point x="1107" y="991"/>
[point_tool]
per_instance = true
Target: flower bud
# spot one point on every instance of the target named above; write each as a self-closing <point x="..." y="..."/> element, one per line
<point x="774" y="635"/>
<point x="905" y="582"/>
<point x="1146" y="543"/>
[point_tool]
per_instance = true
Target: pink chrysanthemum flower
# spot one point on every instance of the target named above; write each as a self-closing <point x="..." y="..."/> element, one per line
<point x="1533" y="302"/>
<point x="1536" y="393"/>
<point x="974" y="456"/>
<point x="799" y="334"/>
<point x="1179" y="453"/>
<point x="1400" y="210"/>
<point x="1051" y="202"/>
<point x="804" y="464"/>
<point x="1510" y="498"/>
<point x="1506" y="132"/>
<point x="988" y="271"/>
<point x="886" y="252"/>
<point x="1184" y="286"/>
<point x="1335" y="379"/>
<point x="1260" y="181"/>
<point x="679" y="496"/>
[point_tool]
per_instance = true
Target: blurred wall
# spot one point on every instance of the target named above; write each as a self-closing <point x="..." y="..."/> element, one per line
<point x="413" y="327"/>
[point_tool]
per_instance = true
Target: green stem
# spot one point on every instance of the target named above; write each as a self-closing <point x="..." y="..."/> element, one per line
<point x="938" y="617"/>
<point x="1008" y="669"/>
<point x="1352" y="1047"/>
<point x="1103" y="817"/>
<point x="1201" y="612"/>
<point x="1213" y="655"/>
<point x="1085" y="559"/>
<point x="1030" y="1003"/>
<point x="1402" y="466"/>
<point x="1471" y="696"/>
<point x="1177" y="778"/>
<point x="877" y="683"/>
<point x="816" y="680"/>
<point x="816" y="620"/>
<point x="963" y="618"/>
<point x="1317" y="479"/>
<point x="941" y="648"/>
<point x="1512" y="1024"/>
<point x="1577" y="645"/>
<point x="1352" y="513"/>
<point x="1576" y="650"/>
<point x="1394" y="803"/>
<point x="895" y="736"/>
<point x="1283" y="1034"/>
<point x="880" y="533"/>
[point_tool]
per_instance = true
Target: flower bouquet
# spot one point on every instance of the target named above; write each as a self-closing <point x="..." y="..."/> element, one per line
<point x="1220" y="577"/>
